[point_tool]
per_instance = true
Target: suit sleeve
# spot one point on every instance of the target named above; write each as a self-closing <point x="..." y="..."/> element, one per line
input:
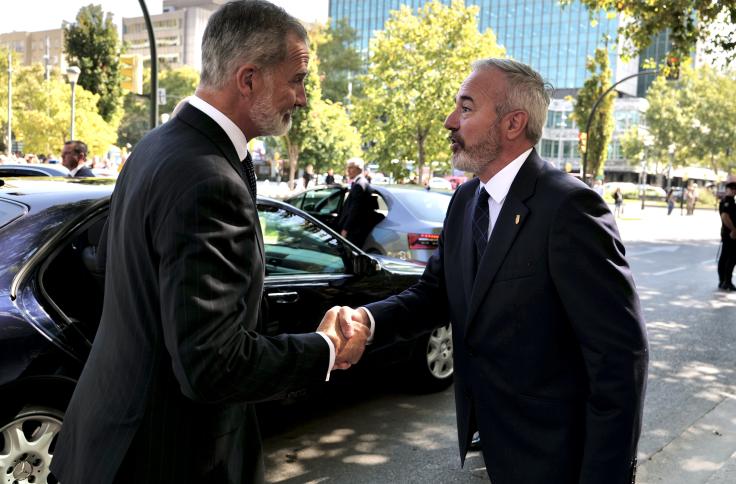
<point x="205" y="245"/>
<point x="597" y="291"/>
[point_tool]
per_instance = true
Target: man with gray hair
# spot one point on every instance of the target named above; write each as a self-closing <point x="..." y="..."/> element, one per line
<point x="165" y="395"/>
<point x="550" y="347"/>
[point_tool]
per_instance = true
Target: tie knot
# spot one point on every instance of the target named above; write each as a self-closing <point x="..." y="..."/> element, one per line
<point x="483" y="195"/>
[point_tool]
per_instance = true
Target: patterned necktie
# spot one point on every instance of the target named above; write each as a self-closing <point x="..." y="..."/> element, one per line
<point x="250" y="174"/>
<point x="481" y="219"/>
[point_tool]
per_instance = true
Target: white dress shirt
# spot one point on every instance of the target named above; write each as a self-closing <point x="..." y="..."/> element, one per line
<point x="498" y="187"/>
<point x="240" y="143"/>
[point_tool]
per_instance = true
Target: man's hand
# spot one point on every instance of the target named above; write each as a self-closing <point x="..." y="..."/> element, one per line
<point x="332" y="328"/>
<point x="733" y="234"/>
<point x="356" y="323"/>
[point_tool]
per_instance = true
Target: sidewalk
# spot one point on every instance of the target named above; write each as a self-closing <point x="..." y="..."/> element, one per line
<point x="705" y="453"/>
<point x="653" y="223"/>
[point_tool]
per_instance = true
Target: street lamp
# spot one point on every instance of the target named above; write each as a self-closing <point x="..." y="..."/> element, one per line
<point x="72" y="75"/>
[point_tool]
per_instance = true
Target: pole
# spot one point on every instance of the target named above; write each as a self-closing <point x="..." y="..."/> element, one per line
<point x="71" y="131"/>
<point x="595" y="108"/>
<point x="10" y="103"/>
<point x="154" y="65"/>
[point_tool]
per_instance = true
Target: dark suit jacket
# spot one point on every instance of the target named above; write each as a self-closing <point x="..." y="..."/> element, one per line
<point x="177" y="351"/>
<point x="83" y="172"/>
<point x="550" y="345"/>
<point x="358" y="213"/>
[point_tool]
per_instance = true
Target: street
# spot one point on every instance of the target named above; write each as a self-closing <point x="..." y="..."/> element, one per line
<point x="373" y="431"/>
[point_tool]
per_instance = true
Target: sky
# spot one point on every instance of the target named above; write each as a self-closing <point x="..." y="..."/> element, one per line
<point x="33" y="15"/>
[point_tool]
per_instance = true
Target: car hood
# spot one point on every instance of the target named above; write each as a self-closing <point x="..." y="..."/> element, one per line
<point x="399" y="266"/>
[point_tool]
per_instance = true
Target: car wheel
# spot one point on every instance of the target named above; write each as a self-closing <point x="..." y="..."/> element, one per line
<point x="434" y="365"/>
<point x="27" y="445"/>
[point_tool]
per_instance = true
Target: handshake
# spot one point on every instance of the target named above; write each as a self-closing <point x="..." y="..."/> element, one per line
<point x="349" y="330"/>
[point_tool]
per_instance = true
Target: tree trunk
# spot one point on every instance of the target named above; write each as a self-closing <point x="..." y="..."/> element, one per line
<point x="293" y="152"/>
<point x="421" y="137"/>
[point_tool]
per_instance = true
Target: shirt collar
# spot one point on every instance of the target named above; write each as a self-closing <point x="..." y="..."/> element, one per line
<point x="76" y="169"/>
<point x="498" y="186"/>
<point x="240" y="143"/>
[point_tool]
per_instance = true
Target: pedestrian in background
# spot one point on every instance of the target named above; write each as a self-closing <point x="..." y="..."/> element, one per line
<point x="330" y="177"/>
<point x="618" y="202"/>
<point x="74" y="159"/>
<point x="670" y="199"/>
<point x="691" y="197"/>
<point x="727" y="259"/>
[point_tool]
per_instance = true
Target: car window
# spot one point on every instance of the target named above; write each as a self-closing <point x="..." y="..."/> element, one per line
<point x="382" y="205"/>
<point x="324" y="201"/>
<point x="297" y="201"/>
<point x="20" y="172"/>
<point x="426" y="205"/>
<point x="295" y="245"/>
<point x="9" y="212"/>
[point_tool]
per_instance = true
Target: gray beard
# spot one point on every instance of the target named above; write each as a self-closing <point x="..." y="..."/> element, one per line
<point x="267" y="121"/>
<point x="476" y="158"/>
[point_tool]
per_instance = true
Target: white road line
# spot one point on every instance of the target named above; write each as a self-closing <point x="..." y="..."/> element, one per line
<point x="652" y="250"/>
<point x="668" y="271"/>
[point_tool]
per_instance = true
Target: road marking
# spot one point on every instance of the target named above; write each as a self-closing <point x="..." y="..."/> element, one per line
<point x="668" y="271"/>
<point x="652" y="250"/>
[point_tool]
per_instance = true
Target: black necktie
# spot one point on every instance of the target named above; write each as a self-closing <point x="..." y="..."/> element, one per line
<point x="481" y="219"/>
<point x="250" y="174"/>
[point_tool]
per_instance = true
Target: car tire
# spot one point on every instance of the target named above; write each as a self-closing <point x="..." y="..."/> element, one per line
<point x="432" y="365"/>
<point x="27" y="443"/>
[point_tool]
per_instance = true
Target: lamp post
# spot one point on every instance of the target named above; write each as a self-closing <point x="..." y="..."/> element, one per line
<point x="72" y="75"/>
<point x="10" y="104"/>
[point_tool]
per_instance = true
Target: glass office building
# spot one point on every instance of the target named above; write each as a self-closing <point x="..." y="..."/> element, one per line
<point x="554" y="40"/>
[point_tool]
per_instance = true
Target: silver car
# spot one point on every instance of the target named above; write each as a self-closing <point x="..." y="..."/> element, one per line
<point x="412" y="222"/>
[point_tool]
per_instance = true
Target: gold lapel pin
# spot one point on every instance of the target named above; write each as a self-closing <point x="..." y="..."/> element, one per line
<point x="518" y="217"/>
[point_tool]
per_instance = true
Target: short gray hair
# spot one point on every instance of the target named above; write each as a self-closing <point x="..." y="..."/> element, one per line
<point x="245" y="31"/>
<point x="526" y="91"/>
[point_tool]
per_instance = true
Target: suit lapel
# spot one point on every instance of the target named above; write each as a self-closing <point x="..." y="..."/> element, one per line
<point x="207" y="126"/>
<point x="510" y="222"/>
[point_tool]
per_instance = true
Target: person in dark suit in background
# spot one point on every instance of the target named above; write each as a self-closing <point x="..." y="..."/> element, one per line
<point x="359" y="214"/>
<point x="74" y="159"/>
<point x="178" y="353"/>
<point x="330" y="177"/>
<point x="550" y="345"/>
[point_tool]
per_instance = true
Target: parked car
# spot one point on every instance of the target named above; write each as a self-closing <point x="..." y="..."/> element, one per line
<point x="41" y="169"/>
<point x="437" y="183"/>
<point x="412" y="221"/>
<point x="51" y="294"/>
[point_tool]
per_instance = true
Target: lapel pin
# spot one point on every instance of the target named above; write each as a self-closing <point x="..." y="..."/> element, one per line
<point x="518" y="217"/>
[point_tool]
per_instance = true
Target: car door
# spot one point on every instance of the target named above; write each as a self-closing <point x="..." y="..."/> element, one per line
<point x="324" y="204"/>
<point x="308" y="270"/>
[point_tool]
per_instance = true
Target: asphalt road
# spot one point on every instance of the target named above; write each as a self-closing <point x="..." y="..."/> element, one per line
<point x="373" y="431"/>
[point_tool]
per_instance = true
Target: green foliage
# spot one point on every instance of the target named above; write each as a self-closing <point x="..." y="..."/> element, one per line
<point x="4" y="92"/>
<point x="688" y="21"/>
<point x="339" y="63"/>
<point x="321" y="133"/>
<point x="601" y="126"/>
<point x="634" y="144"/>
<point x="179" y="83"/>
<point x="691" y="120"/>
<point x="417" y="65"/>
<point x="42" y="118"/>
<point x="92" y="43"/>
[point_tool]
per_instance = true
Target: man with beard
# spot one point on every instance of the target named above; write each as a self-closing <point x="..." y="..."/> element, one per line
<point x="550" y="346"/>
<point x="162" y="397"/>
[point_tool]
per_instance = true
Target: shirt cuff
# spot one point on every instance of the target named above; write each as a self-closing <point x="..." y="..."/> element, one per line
<point x="332" y="353"/>
<point x="373" y="324"/>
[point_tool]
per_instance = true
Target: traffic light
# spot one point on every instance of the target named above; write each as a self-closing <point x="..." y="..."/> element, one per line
<point x="672" y="72"/>
<point x="131" y="73"/>
<point x="583" y="141"/>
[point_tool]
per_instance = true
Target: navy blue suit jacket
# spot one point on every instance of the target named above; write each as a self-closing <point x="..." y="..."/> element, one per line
<point x="550" y="346"/>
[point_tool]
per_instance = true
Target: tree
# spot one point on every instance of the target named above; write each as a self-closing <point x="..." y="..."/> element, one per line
<point x="179" y="83"/>
<point x="92" y="44"/>
<point x="4" y="92"/>
<point x="339" y="62"/>
<point x="688" y="21"/>
<point x="601" y="126"/>
<point x="321" y="133"/>
<point x="417" y="65"/>
<point x="41" y="113"/>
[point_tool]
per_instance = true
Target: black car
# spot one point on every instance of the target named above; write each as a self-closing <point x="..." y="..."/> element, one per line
<point x="33" y="169"/>
<point x="51" y="298"/>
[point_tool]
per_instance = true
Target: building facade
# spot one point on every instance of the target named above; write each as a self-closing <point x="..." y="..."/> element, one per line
<point x="44" y="47"/>
<point x="178" y="31"/>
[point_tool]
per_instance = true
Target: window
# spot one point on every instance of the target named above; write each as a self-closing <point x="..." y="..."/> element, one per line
<point x="322" y="201"/>
<point x="550" y="148"/>
<point x="9" y="211"/>
<point x="295" y="245"/>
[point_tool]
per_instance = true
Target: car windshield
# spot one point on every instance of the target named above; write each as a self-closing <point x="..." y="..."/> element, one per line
<point x="9" y="212"/>
<point x="425" y="205"/>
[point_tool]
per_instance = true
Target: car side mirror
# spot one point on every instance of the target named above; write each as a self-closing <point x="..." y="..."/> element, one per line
<point x="364" y="265"/>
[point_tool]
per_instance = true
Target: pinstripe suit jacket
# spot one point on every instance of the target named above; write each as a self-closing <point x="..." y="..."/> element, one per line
<point x="162" y="396"/>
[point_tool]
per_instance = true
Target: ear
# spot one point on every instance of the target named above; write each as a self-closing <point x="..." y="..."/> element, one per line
<point x="515" y="123"/>
<point x="244" y="78"/>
